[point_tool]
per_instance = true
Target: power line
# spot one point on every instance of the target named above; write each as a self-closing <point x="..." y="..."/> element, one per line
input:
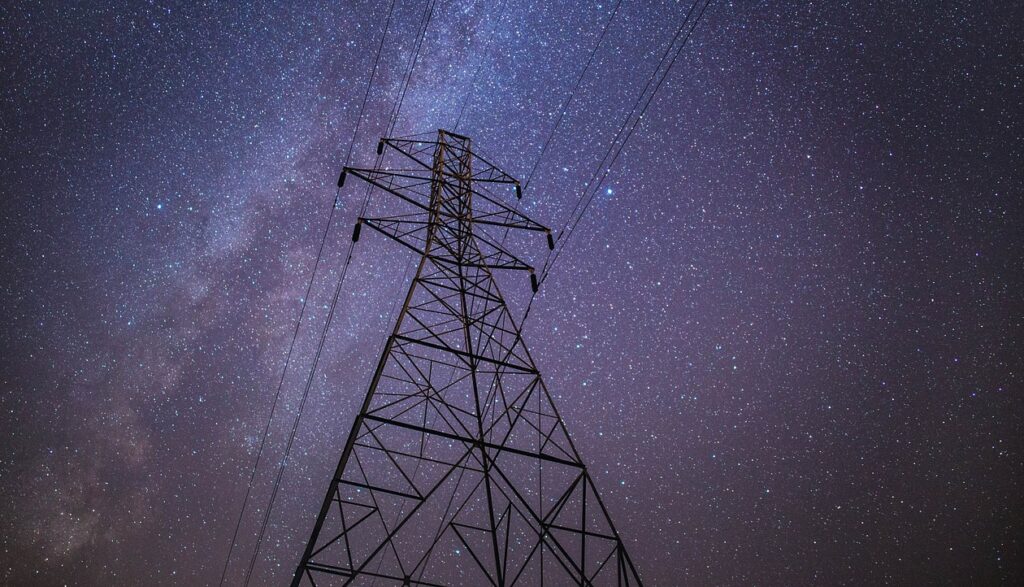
<point x="572" y="93"/>
<point x="369" y="86"/>
<point x="295" y="424"/>
<point x="564" y="108"/>
<point x="594" y="184"/>
<point x="479" y="66"/>
<point x="628" y="117"/>
<point x="429" y="13"/>
<point x="334" y="302"/>
<point x="277" y="394"/>
<point x="632" y="129"/>
<point x="305" y="301"/>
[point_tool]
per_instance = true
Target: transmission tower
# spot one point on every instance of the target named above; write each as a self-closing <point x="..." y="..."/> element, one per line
<point x="458" y="469"/>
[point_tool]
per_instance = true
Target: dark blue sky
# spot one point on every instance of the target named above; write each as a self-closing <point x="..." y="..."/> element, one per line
<point x="785" y="336"/>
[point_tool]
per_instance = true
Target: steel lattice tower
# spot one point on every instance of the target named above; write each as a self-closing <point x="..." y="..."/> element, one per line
<point x="458" y="469"/>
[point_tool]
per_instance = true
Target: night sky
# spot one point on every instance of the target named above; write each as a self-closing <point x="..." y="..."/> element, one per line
<point x="786" y="336"/>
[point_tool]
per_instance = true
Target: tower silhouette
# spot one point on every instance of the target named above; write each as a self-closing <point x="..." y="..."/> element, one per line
<point x="458" y="469"/>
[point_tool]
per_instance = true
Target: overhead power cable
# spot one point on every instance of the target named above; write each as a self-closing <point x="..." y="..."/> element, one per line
<point x="572" y="94"/>
<point x="282" y="466"/>
<point x="621" y="138"/>
<point x="305" y="301"/>
<point x="479" y="66"/>
<point x="564" y="108"/>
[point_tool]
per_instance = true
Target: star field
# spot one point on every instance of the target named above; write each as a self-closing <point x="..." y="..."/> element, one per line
<point x="785" y="337"/>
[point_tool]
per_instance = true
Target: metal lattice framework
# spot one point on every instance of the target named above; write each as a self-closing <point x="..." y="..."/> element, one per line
<point x="458" y="469"/>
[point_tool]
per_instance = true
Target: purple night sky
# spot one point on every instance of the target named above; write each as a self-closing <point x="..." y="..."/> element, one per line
<point x="785" y="338"/>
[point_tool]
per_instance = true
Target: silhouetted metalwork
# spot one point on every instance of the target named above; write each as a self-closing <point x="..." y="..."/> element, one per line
<point x="458" y="469"/>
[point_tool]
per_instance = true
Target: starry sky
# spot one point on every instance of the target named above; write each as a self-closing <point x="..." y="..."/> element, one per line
<point x="785" y="336"/>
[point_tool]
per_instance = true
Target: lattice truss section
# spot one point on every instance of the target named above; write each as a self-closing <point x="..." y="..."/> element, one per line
<point x="459" y="470"/>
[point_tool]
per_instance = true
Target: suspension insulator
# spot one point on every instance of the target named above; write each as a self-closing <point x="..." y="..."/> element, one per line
<point x="341" y="178"/>
<point x="380" y="148"/>
<point x="533" y="282"/>
<point x="355" y="231"/>
<point x="551" y="241"/>
<point x="519" y="191"/>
